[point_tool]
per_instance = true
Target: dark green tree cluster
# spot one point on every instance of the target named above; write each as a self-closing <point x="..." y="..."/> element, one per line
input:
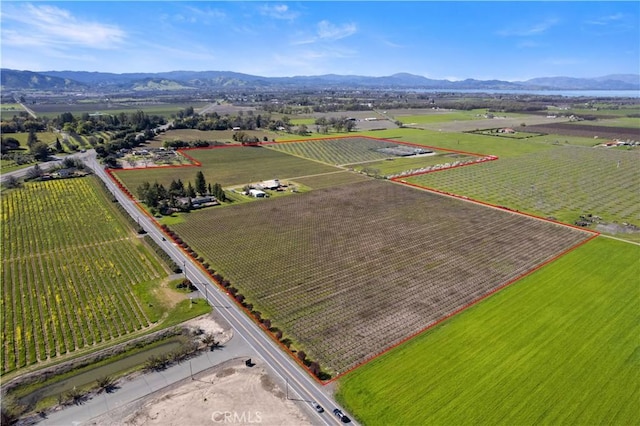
<point x="215" y="121"/>
<point x="85" y="124"/>
<point x="339" y="124"/>
<point x="38" y="149"/>
<point x="156" y="196"/>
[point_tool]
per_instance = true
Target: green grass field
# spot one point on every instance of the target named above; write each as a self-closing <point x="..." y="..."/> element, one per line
<point x="400" y="164"/>
<point x="46" y="137"/>
<point x="229" y="166"/>
<point x="331" y="179"/>
<point x="558" y="347"/>
<point x="437" y="117"/>
<point x="480" y="144"/>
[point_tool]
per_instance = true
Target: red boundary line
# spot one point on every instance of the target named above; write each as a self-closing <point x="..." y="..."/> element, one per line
<point x="484" y="158"/>
<point x="116" y="181"/>
<point x="465" y="307"/>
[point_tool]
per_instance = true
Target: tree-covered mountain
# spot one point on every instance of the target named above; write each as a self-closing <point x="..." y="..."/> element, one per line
<point x="192" y="80"/>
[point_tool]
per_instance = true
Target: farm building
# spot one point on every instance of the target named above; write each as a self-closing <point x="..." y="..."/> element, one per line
<point x="256" y="193"/>
<point x="269" y="184"/>
<point x="197" y="202"/>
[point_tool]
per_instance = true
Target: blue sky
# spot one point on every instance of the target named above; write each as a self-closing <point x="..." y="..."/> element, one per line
<point x="452" y="40"/>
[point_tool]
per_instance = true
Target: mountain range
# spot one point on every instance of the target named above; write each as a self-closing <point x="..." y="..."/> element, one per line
<point x="198" y="80"/>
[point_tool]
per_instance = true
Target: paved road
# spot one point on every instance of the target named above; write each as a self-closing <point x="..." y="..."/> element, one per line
<point x="145" y="384"/>
<point x="45" y="165"/>
<point x="300" y="384"/>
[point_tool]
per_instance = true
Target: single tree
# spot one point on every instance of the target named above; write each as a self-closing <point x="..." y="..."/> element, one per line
<point x="11" y="182"/>
<point x="200" y="184"/>
<point x="190" y="191"/>
<point x="32" y="138"/>
<point x="40" y="151"/>
<point x="35" y="172"/>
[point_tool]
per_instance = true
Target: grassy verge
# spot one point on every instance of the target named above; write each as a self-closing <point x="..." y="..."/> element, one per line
<point x="560" y="346"/>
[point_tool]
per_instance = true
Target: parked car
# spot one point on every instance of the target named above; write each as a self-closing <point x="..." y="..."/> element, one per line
<point x="317" y="407"/>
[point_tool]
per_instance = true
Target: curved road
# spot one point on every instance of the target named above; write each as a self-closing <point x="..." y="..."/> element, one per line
<point x="301" y="385"/>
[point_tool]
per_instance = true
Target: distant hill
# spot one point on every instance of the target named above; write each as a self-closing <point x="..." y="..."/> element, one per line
<point x="610" y="82"/>
<point x="195" y="80"/>
<point x="33" y="80"/>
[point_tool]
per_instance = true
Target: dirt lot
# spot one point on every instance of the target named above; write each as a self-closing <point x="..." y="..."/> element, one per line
<point x="230" y="393"/>
<point x="586" y="130"/>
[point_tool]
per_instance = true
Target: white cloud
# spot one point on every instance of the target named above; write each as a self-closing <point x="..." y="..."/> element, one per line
<point x="530" y="30"/>
<point x="606" y="20"/>
<point x="329" y="31"/>
<point x="326" y="31"/>
<point x="206" y="16"/>
<point x="278" y="11"/>
<point x="50" y="26"/>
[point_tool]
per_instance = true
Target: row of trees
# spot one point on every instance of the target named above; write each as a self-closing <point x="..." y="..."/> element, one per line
<point x="85" y="123"/>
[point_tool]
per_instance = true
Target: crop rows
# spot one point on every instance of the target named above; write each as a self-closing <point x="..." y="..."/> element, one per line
<point x="228" y="165"/>
<point x="443" y="166"/>
<point x="337" y="151"/>
<point x="353" y="270"/>
<point x="562" y="182"/>
<point x="67" y="269"/>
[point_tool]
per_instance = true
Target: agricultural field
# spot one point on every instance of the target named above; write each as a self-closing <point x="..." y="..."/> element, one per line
<point x="625" y="122"/>
<point x="329" y="180"/>
<point x="392" y="166"/>
<point x="563" y="182"/>
<point x="349" y="271"/>
<point x="338" y="151"/>
<point x="8" y="110"/>
<point x="190" y="135"/>
<point x="601" y="132"/>
<point x="507" y="120"/>
<point x="62" y="290"/>
<point x="479" y="144"/>
<point x="53" y="110"/>
<point x="522" y="133"/>
<point x="413" y="117"/>
<point x="229" y="166"/>
<point x="360" y="152"/>
<point x="559" y="346"/>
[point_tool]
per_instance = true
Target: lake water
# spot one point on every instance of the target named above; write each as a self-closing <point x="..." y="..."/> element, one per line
<point x="567" y="93"/>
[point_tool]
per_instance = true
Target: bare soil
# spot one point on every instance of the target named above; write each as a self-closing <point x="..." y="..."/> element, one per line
<point x="586" y="130"/>
<point x="230" y="393"/>
<point x="352" y="270"/>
